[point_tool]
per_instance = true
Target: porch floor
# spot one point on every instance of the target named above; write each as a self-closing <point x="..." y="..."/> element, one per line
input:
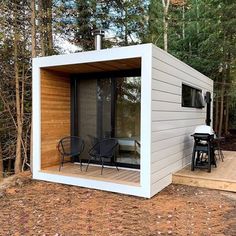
<point x="223" y="177"/>
<point x="123" y="176"/>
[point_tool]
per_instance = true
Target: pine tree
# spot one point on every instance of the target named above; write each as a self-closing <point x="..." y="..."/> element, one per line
<point x="128" y="20"/>
<point x="92" y="15"/>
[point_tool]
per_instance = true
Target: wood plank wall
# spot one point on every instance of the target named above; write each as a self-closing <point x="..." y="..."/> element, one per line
<point x="55" y="114"/>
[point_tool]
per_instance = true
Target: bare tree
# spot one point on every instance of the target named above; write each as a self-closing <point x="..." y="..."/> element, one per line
<point x="33" y="29"/>
<point x="45" y="27"/>
<point x="216" y="120"/>
<point x="165" y="4"/>
<point x="33" y="55"/>
<point x="15" y="83"/>
<point x="19" y="104"/>
<point x="226" y="128"/>
<point x="1" y="162"/>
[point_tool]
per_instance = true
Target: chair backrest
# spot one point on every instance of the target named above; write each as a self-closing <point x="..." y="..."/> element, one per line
<point x="71" y="145"/>
<point x="92" y="140"/>
<point x="107" y="147"/>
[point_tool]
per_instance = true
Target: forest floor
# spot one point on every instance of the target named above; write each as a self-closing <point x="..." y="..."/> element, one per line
<point x="30" y="207"/>
<point x="230" y="143"/>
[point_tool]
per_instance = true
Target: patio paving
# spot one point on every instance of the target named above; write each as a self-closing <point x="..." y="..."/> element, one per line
<point x="222" y="178"/>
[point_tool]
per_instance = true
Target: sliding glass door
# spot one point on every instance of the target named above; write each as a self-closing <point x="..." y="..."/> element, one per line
<point x="110" y="107"/>
<point x="127" y="119"/>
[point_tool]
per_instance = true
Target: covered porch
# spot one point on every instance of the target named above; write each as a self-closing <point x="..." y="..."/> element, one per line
<point x="222" y="178"/>
<point x="95" y="96"/>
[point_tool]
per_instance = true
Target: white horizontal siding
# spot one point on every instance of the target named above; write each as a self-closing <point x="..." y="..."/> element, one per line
<point x="158" y="165"/>
<point x="179" y="74"/>
<point x="159" y="75"/>
<point x="172" y="124"/>
<point x="166" y="173"/>
<point x="163" y="153"/>
<point x="173" y="115"/>
<point x="168" y="169"/>
<point x="161" y="184"/>
<point x="165" y="87"/>
<point x="171" y="142"/>
<point x="165" y="96"/>
<point x="171" y="133"/>
<point x="173" y="106"/>
<point x="176" y="63"/>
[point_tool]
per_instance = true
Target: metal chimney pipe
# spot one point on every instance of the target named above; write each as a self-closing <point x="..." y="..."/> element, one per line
<point x="99" y="34"/>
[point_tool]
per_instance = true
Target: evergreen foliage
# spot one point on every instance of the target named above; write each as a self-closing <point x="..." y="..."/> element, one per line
<point x="201" y="33"/>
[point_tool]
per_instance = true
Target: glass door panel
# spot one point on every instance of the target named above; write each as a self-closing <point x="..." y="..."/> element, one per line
<point x="87" y="112"/>
<point x="127" y="119"/>
<point x="104" y="103"/>
<point x="110" y="107"/>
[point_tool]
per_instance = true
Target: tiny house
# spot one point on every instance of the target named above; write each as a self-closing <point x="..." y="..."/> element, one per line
<point x="144" y="97"/>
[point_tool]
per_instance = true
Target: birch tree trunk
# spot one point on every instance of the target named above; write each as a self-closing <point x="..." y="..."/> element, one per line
<point x="49" y="27"/>
<point x="165" y="4"/>
<point x="33" y="29"/>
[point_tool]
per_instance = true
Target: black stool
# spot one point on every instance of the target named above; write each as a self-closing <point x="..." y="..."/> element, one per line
<point x="203" y="151"/>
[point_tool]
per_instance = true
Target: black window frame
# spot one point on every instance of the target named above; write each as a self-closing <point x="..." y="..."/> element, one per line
<point x="198" y="102"/>
<point x="75" y="97"/>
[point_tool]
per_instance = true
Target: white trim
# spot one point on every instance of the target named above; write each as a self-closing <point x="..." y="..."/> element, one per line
<point x="142" y="51"/>
<point x="36" y="101"/>
<point x="146" y="99"/>
<point x="94" y="184"/>
<point x="107" y="166"/>
<point x="93" y="56"/>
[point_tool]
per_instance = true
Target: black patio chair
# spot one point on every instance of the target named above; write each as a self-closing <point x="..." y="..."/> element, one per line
<point x="104" y="149"/>
<point x="71" y="146"/>
<point x="92" y="140"/>
<point x="218" y="141"/>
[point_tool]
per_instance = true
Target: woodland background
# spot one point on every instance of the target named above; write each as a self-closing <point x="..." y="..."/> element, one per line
<point x="201" y="33"/>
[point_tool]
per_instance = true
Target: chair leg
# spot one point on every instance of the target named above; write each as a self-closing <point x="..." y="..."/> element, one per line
<point x="117" y="167"/>
<point x="102" y="164"/>
<point x="221" y="155"/>
<point x="80" y="164"/>
<point x="193" y="159"/>
<point x="61" y="163"/>
<point x="88" y="163"/>
<point x="209" y="157"/>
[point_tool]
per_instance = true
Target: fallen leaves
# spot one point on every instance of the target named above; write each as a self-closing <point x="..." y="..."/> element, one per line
<point x="40" y="208"/>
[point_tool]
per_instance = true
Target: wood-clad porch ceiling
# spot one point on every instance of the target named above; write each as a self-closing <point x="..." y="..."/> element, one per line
<point x="104" y="66"/>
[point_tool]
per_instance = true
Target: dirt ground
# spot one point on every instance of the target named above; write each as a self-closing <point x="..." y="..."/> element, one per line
<point x="29" y="207"/>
